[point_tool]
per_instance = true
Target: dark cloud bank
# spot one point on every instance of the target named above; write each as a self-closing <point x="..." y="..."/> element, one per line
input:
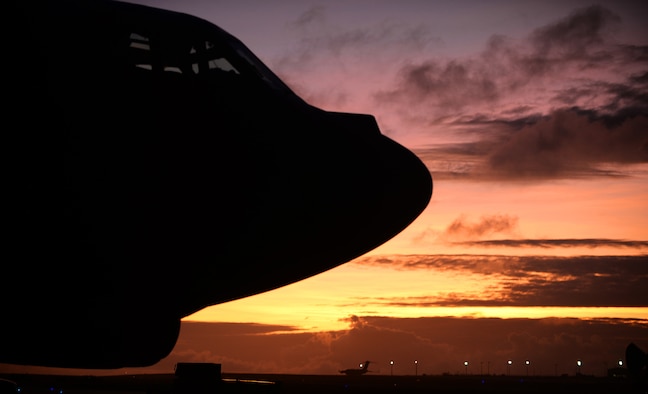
<point x="595" y="91"/>
<point x="525" y="279"/>
<point x="575" y="281"/>
<point x="565" y="144"/>
<point x="574" y="52"/>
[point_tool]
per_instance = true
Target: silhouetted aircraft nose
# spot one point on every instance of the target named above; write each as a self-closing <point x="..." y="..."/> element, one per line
<point x="376" y="184"/>
<point x="330" y="190"/>
<point x="159" y="168"/>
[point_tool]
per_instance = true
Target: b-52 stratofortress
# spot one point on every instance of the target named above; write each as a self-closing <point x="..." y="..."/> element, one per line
<point x="155" y="166"/>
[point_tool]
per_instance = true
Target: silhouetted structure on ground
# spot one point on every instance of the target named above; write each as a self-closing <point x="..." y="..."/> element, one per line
<point x="158" y="167"/>
<point x="637" y="361"/>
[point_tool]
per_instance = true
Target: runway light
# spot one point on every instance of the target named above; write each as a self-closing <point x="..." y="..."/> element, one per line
<point x="579" y="363"/>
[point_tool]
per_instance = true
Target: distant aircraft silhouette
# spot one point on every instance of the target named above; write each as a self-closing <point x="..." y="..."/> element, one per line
<point x="155" y="167"/>
<point x="357" y="371"/>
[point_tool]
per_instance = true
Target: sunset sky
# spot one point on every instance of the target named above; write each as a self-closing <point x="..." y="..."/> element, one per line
<point x="532" y="117"/>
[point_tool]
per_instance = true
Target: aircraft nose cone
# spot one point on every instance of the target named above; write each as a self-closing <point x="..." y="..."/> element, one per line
<point x="406" y="184"/>
<point x="387" y="189"/>
<point x="362" y="189"/>
<point x="332" y="196"/>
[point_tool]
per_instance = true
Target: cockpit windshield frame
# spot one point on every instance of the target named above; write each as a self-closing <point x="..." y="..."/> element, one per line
<point x="198" y="53"/>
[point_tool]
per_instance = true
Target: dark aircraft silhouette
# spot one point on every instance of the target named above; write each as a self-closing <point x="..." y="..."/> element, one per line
<point x="156" y="167"/>
<point x="357" y="371"/>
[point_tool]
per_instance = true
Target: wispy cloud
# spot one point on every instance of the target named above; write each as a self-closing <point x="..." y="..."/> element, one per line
<point x="501" y="230"/>
<point x="572" y="37"/>
<point x="514" y="266"/>
<point x="320" y="38"/>
<point x="563" y="243"/>
<point x="487" y="225"/>
<point x="519" y="76"/>
<point x="359" y="56"/>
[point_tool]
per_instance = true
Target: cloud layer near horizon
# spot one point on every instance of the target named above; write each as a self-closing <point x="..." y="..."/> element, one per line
<point x="566" y="143"/>
<point x="575" y="281"/>
<point x="440" y="344"/>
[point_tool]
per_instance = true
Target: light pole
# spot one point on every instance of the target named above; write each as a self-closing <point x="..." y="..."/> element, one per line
<point x="620" y="363"/>
<point x="391" y="364"/>
<point x="415" y="367"/>
<point x="508" y="367"/>
<point x="466" y="365"/>
<point x="527" y="362"/>
<point x="579" y="363"/>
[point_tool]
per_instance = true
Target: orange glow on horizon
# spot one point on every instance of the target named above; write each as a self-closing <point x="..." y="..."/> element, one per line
<point x="323" y="302"/>
<point x="331" y="320"/>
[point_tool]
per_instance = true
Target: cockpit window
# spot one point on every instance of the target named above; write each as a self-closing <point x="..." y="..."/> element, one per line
<point x="221" y="64"/>
<point x="202" y="58"/>
<point x="211" y="59"/>
<point x="140" y="51"/>
<point x="139" y="42"/>
<point x="257" y="65"/>
<point x="207" y="58"/>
